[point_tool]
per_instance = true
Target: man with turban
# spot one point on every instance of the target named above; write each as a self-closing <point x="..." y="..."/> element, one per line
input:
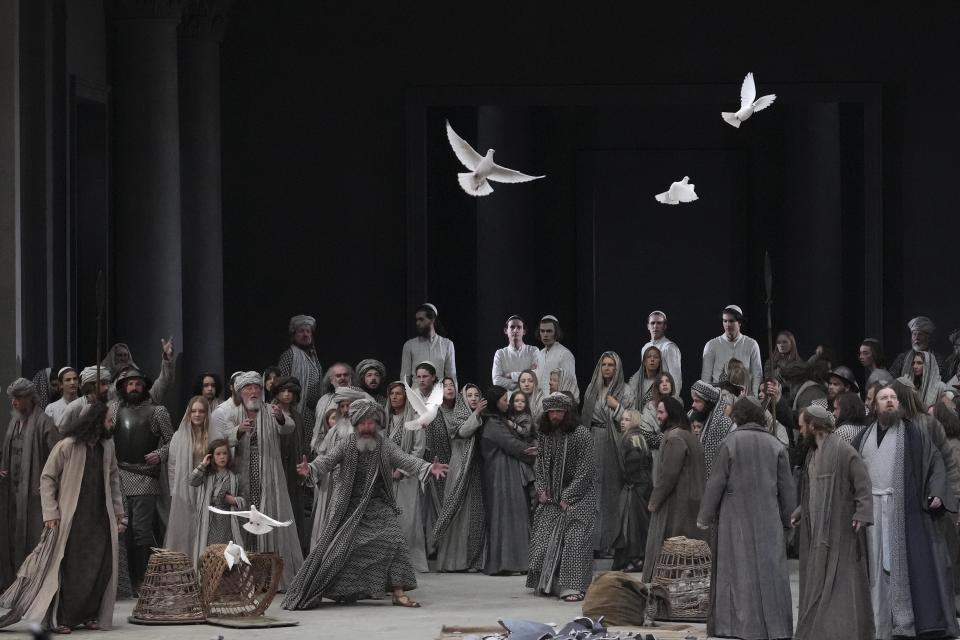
<point x="142" y="433"/>
<point x="922" y="330"/>
<point x="362" y="552"/>
<point x="370" y="376"/>
<point x="29" y="438"/>
<point x="561" y="537"/>
<point x="257" y="463"/>
<point x="300" y="361"/>
<point x="90" y="394"/>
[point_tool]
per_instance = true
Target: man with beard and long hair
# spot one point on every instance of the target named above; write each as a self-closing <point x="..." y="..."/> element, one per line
<point x="430" y="345"/>
<point x="300" y="361"/>
<point x="89" y="394"/>
<point x="561" y="536"/>
<point x="142" y="436"/>
<point x="362" y="552"/>
<point x="912" y="581"/>
<point x="370" y="378"/>
<point x="835" y="506"/>
<point x="29" y="438"/>
<point x="70" y="578"/>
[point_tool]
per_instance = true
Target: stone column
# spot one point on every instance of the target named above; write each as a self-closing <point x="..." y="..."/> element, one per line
<point x="147" y="286"/>
<point x="201" y="33"/>
<point x="10" y="331"/>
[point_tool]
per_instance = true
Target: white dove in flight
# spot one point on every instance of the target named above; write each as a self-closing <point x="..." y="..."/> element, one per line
<point x="678" y="192"/>
<point x="259" y="523"/>
<point x="426" y="409"/>
<point x="234" y="554"/>
<point x="749" y="103"/>
<point x="482" y="168"/>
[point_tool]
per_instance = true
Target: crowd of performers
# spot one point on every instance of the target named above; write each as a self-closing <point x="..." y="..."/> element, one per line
<point x="526" y="475"/>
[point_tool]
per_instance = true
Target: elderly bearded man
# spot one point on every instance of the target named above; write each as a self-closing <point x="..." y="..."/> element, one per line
<point x="29" y="438"/>
<point x="362" y="553"/>
<point x="300" y="361"/>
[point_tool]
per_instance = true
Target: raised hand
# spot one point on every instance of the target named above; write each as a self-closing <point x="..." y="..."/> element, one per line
<point x="277" y="411"/>
<point x="206" y="460"/>
<point x="167" y="346"/>
<point x="303" y="468"/>
<point x="481" y="406"/>
<point x="246" y="426"/>
<point x="438" y="469"/>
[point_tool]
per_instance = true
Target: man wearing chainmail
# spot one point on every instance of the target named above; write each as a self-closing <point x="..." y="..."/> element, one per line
<point x="256" y="442"/>
<point x="300" y="361"/>
<point x="911" y="579"/>
<point x="28" y="440"/>
<point x="561" y="537"/>
<point x="142" y="433"/>
<point x="362" y="553"/>
<point x="371" y="375"/>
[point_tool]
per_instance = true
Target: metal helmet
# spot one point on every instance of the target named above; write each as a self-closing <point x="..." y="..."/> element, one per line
<point x="845" y="374"/>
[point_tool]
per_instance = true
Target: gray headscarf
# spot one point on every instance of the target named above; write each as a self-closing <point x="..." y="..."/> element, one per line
<point x="247" y="378"/>
<point x="21" y="387"/>
<point x="362" y="409"/>
<point x="616" y="388"/>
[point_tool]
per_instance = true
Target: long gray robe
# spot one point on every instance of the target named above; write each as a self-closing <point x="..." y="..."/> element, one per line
<point x="561" y="541"/>
<point x="211" y="490"/>
<point x="459" y="534"/>
<point x="834" y="581"/>
<point x="274" y="498"/>
<point x="676" y="494"/>
<point x="752" y="496"/>
<point x="333" y="551"/>
<point x="20" y="508"/>
<point x="407" y="492"/>
<point x="505" y="496"/>
<point x="181" y="527"/>
<point x="38" y="580"/>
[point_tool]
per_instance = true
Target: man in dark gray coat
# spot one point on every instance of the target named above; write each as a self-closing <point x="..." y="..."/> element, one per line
<point x="750" y="497"/>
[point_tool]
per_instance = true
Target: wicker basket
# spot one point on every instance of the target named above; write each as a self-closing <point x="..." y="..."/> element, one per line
<point x="170" y="592"/>
<point x="244" y="591"/>
<point x="683" y="569"/>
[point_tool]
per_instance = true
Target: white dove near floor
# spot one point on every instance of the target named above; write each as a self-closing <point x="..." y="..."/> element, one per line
<point x="234" y="554"/>
<point x="426" y="409"/>
<point x="258" y="524"/>
<point x="482" y="168"/>
<point x="678" y="192"/>
<point x="749" y="103"/>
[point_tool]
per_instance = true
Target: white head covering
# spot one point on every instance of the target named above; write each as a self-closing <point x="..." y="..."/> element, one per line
<point x="89" y="374"/>
<point x="298" y="321"/>
<point x="247" y="378"/>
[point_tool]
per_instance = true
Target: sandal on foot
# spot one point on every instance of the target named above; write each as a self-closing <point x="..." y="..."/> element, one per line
<point x="62" y="629"/>
<point x="573" y="597"/>
<point x="405" y="601"/>
<point x="93" y="625"/>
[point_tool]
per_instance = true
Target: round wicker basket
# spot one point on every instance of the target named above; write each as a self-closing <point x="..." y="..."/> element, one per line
<point x="170" y="592"/>
<point x="244" y="591"/>
<point x="683" y="569"/>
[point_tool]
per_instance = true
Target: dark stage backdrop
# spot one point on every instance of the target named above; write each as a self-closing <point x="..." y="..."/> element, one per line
<point x="340" y="197"/>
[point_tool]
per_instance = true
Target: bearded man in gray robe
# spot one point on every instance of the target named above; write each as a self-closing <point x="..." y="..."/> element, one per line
<point x="836" y="504"/>
<point x="911" y="577"/>
<point x="28" y="440"/>
<point x="362" y="553"/>
<point x="749" y="498"/>
<point x="300" y="361"/>
<point x="257" y="463"/>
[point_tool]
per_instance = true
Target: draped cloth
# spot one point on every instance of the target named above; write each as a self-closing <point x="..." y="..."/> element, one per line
<point x="274" y="497"/>
<point x="931" y="386"/>
<point x="459" y="534"/>
<point x="604" y="423"/>
<point x="305" y="367"/>
<point x="713" y="434"/>
<point x="207" y="495"/>
<point x="37" y="585"/>
<point x="406" y="489"/>
<point x="335" y="547"/>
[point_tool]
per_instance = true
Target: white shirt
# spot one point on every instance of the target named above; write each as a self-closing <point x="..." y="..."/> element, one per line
<point x="56" y="410"/>
<point x="556" y="357"/>
<point x="669" y="359"/>
<point x="437" y="350"/>
<point x="509" y="363"/>
<point x="718" y="352"/>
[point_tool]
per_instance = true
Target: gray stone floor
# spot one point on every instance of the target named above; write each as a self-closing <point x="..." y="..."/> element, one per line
<point x="449" y="598"/>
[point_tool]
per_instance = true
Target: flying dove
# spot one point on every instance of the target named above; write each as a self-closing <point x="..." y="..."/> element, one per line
<point x="259" y="523"/>
<point x="426" y="410"/>
<point x="482" y="168"/>
<point x="234" y="554"/>
<point x="749" y="103"/>
<point x="678" y="192"/>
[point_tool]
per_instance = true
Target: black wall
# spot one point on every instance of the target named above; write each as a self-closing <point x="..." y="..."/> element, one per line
<point x="340" y="197"/>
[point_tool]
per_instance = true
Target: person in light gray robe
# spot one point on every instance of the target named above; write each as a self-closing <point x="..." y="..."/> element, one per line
<point x="749" y="498"/>
<point x="256" y="443"/>
<point x="406" y="488"/>
<point x="604" y="402"/>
